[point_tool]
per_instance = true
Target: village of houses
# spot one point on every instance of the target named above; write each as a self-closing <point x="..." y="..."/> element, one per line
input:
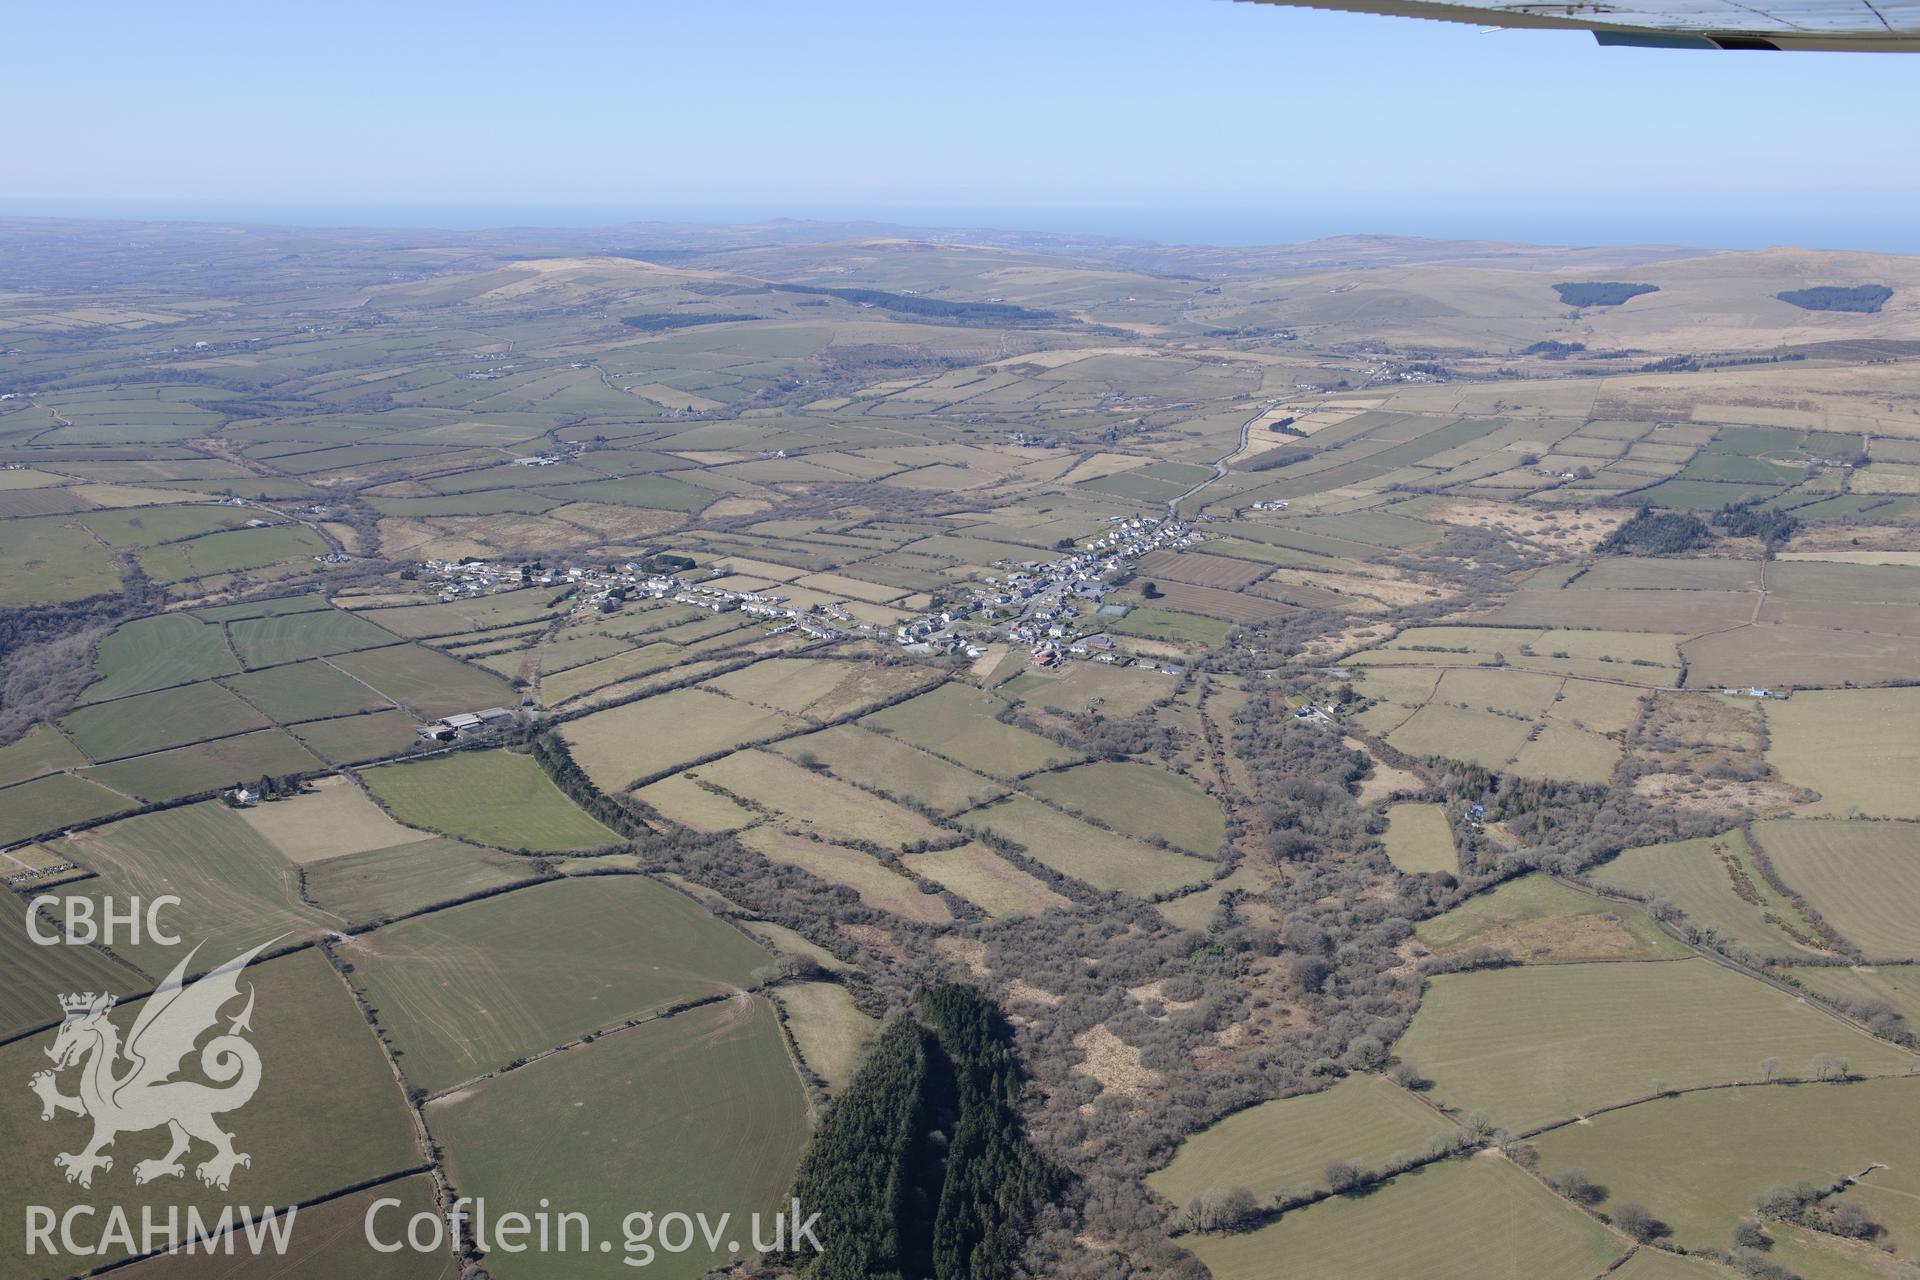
<point x="1050" y="608"/>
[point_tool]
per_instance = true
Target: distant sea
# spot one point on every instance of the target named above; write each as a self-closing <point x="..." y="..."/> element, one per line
<point x="1868" y="221"/>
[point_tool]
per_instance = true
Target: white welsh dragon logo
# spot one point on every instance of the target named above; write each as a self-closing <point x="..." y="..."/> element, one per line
<point x="145" y="1095"/>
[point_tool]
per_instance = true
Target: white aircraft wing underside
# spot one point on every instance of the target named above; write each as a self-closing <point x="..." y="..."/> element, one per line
<point x="1835" y="25"/>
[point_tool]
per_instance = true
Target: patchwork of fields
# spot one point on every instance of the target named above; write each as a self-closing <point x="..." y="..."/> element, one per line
<point x="1372" y="789"/>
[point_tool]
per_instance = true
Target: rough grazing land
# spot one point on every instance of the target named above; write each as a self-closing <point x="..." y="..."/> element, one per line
<point x="1539" y="920"/>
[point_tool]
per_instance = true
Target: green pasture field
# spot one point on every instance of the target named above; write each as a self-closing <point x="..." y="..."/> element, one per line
<point x="1521" y="693"/>
<point x="235" y="889"/>
<point x="1788" y="657"/>
<point x="1140" y="801"/>
<point x="319" y="1061"/>
<point x="426" y="681"/>
<point x="496" y="798"/>
<point x="1419" y="840"/>
<point x="1134" y="486"/>
<point x="1535" y="1044"/>
<point x="272" y="607"/>
<point x="653" y="736"/>
<point x="1698" y="1160"/>
<point x="1100" y="858"/>
<point x="657" y="491"/>
<point x="357" y="458"/>
<point x="1086" y="686"/>
<point x="1664" y="574"/>
<point x="985" y="879"/>
<point x="815" y="802"/>
<point x="269" y="641"/>
<point x="679" y="799"/>
<point x="1859" y="748"/>
<point x="1667" y="612"/>
<point x="358" y="739"/>
<point x="510" y="475"/>
<point x="1657" y="1264"/>
<point x="50" y="560"/>
<point x="1534" y="911"/>
<point x="150" y="526"/>
<point x="817" y="688"/>
<point x="50" y="803"/>
<point x="1598" y="708"/>
<point x="637" y="671"/>
<point x="1524" y="654"/>
<point x="466" y="991"/>
<point x="785" y="941"/>
<point x="329" y="1242"/>
<point x="1381" y="528"/>
<point x="507" y="655"/>
<point x="231" y="551"/>
<point x="1739" y="469"/>
<point x="17" y="502"/>
<point x="40" y="750"/>
<point x="307" y="690"/>
<point x="875" y="883"/>
<point x="1479" y="737"/>
<point x="1817" y="1255"/>
<point x="20" y="479"/>
<point x="330" y="818"/>
<point x="875" y="760"/>
<point x="1465" y="1219"/>
<point x="396" y="881"/>
<point x="721" y="1132"/>
<point x="1897" y="984"/>
<point x="1714" y="880"/>
<point x="1405" y="687"/>
<point x="203" y="766"/>
<point x="1702" y="495"/>
<point x="1164" y="624"/>
<point x="490" y="502"/>
<point x="828" y="1030"/>
<point x="153" y="721"/>
<point x="1363" y="1120"/>
<point x="1183" y="599"/>
<point x="957" y="721"/>
<point x="1567" y="753"/>
<point x="37" y="975"/>
<point x="1287" y="545"/>
<point x="153" y="653"/>
<point x="1863" y="877"/>
<point x="501" y="609"/>
<point x="501" y="639"/>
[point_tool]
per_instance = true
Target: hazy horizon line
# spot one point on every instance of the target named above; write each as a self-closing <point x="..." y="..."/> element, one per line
<point x="1193" y="228"/>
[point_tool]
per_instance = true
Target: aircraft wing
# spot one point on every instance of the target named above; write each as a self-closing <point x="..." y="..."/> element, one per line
<point x="1882" y="26"/>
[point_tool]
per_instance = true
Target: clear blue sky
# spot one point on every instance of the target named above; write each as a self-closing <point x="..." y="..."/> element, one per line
<point x="1184" y="119"/>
